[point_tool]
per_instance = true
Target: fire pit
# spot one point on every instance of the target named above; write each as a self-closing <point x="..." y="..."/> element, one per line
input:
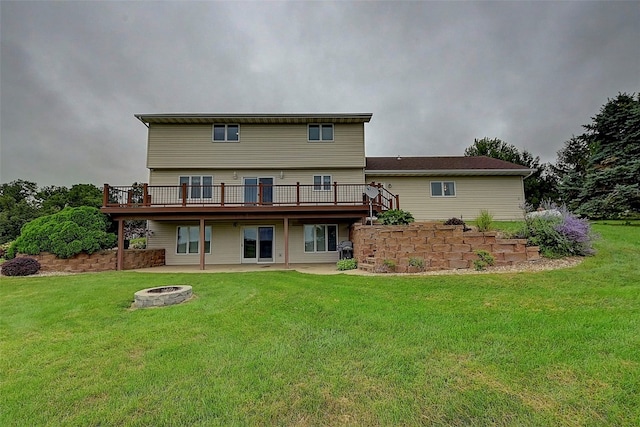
<point x="161" y="296"/>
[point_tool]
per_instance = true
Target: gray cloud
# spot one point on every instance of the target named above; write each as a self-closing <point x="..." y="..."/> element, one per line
<point x="435" y="75"/>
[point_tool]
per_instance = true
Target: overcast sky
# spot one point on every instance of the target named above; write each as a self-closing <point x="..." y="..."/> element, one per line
<point x="434" y="75"/>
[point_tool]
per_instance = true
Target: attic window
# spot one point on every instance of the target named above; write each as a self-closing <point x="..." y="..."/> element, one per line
<point x="443" y="189"/>
<point x="226" y="133"/>
<point x="320" y="133"/>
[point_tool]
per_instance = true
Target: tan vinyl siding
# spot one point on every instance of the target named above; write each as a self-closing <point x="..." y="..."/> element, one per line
<point x="226" y="242"/>
<point x="291" y="176"/>
<point x="501" y="195"/>
<point x="278" y="145"/>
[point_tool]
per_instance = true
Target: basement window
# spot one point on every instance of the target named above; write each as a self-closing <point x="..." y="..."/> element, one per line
<point x="320" y="238"/>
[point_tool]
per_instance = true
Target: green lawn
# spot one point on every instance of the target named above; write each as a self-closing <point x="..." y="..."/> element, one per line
<point x="284" y="348"/>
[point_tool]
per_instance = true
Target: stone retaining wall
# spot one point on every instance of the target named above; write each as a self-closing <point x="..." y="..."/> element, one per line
<point x="100" y="261"/>
<point x="441" y="247"/>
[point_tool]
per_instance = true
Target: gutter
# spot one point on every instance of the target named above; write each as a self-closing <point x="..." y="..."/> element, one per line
<point x="461" y="172"/>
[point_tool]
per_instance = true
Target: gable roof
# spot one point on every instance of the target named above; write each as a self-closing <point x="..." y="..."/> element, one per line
<point x="432" y="166"/>
<point x="204" y="118"/>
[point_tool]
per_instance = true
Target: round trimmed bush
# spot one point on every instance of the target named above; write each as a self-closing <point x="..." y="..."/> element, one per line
<point x="22" y="266"/>
<point x="65" y="233"/>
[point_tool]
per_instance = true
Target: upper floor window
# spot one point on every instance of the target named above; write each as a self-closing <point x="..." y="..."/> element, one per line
<point x="226" y="133"/>
<point x="198" y="187"/>
<point x="322" y="182"/>
<point x="443" y="189"/>
<point x="320" y="132"/>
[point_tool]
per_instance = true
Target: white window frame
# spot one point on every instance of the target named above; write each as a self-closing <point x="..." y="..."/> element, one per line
<point x="442" y="188"/>
<point x="226" y="132"/>
<point x="189" y="227"/>
<point x="323" y="186"/>
<point x="315" y="238"/>
<point x="190" y="189"/>
<point x="320" y="126"/>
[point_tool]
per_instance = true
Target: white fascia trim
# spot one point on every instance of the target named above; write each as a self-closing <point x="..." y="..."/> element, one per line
<point x="450" y="172"/>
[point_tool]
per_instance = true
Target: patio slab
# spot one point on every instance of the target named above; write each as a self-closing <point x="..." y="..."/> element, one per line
<point x="240" y="268"/>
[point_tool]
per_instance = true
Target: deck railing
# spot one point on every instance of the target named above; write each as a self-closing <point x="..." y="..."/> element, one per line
<point x="263" y="195"/>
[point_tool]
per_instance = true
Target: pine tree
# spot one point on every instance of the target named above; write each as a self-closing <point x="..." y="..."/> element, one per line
<point x="600" y="169"/>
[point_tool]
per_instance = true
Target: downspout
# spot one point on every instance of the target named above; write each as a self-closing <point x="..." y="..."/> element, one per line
<point x="531" y="172"/>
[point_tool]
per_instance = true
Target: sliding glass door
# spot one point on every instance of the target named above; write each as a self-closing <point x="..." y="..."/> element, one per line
<point x="260" y="188"/>
<point x="257" y="244"/>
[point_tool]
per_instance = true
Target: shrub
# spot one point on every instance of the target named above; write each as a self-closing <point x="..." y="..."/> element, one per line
<point x="389" y="265"/>
<point x="139" y="243"/>
<point x="22" y="266"/>
<point x="395" y="217"/>
<point x="558" y="235"/>
<point x="484" y="260"/>
<point x="484" y="221"/>
<point x="4" y="248"/>
<point x="347" y="264"/>
<point x="65" y="233"/>
<point x="454" y="221"/>
<point x="418" y="263"/>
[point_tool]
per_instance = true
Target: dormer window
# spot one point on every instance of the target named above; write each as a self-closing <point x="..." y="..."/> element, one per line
<point x="226" y="133"/>
<point x="320" y="133"/>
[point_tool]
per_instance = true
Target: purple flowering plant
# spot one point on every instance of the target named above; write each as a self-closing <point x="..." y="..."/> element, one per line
<point x="558" y="232"/>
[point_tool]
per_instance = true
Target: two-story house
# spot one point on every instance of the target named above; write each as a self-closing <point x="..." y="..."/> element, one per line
<point x="260" y="188"/>
<point x="285" y="188"/>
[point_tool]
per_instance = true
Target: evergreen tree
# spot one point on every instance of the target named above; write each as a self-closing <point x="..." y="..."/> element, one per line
<point x="600" y="170"/>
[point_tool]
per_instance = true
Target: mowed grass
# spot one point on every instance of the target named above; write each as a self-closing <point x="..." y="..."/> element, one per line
<point x="284" y="348"/>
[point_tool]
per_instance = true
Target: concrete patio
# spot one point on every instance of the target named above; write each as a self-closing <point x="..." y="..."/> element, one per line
<point x="241" y="268"/>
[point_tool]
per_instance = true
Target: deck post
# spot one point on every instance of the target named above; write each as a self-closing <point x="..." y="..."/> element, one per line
<point x="146" y="201"/>
<point x="397" y="201"/>
<point x="184" y="194"/>
<point x="222" y="194"/>
<point x="202" y="239"/>
<point x="335" y="192"/>
<point x="105" y="195"/>
<point x="297" y="193"/>
<point x="120" y="256"/>
<point x="286" y="242"/>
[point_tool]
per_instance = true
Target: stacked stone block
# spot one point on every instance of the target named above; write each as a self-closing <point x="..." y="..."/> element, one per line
<point x="100" y="261"/>
<point x="441" y="247"/>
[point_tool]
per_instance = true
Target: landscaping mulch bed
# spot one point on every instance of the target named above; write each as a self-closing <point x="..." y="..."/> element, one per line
<point x="541" y="264"/>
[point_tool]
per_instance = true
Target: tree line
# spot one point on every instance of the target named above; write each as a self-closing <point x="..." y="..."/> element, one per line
<point x="23" y="201"/>
<point x="597" y="173"/>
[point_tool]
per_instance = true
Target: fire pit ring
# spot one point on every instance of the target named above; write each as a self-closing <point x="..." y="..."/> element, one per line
<point x="162" y="295"/>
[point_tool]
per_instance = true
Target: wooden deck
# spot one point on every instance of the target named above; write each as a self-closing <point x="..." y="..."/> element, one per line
<point x="244" y="201"/>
